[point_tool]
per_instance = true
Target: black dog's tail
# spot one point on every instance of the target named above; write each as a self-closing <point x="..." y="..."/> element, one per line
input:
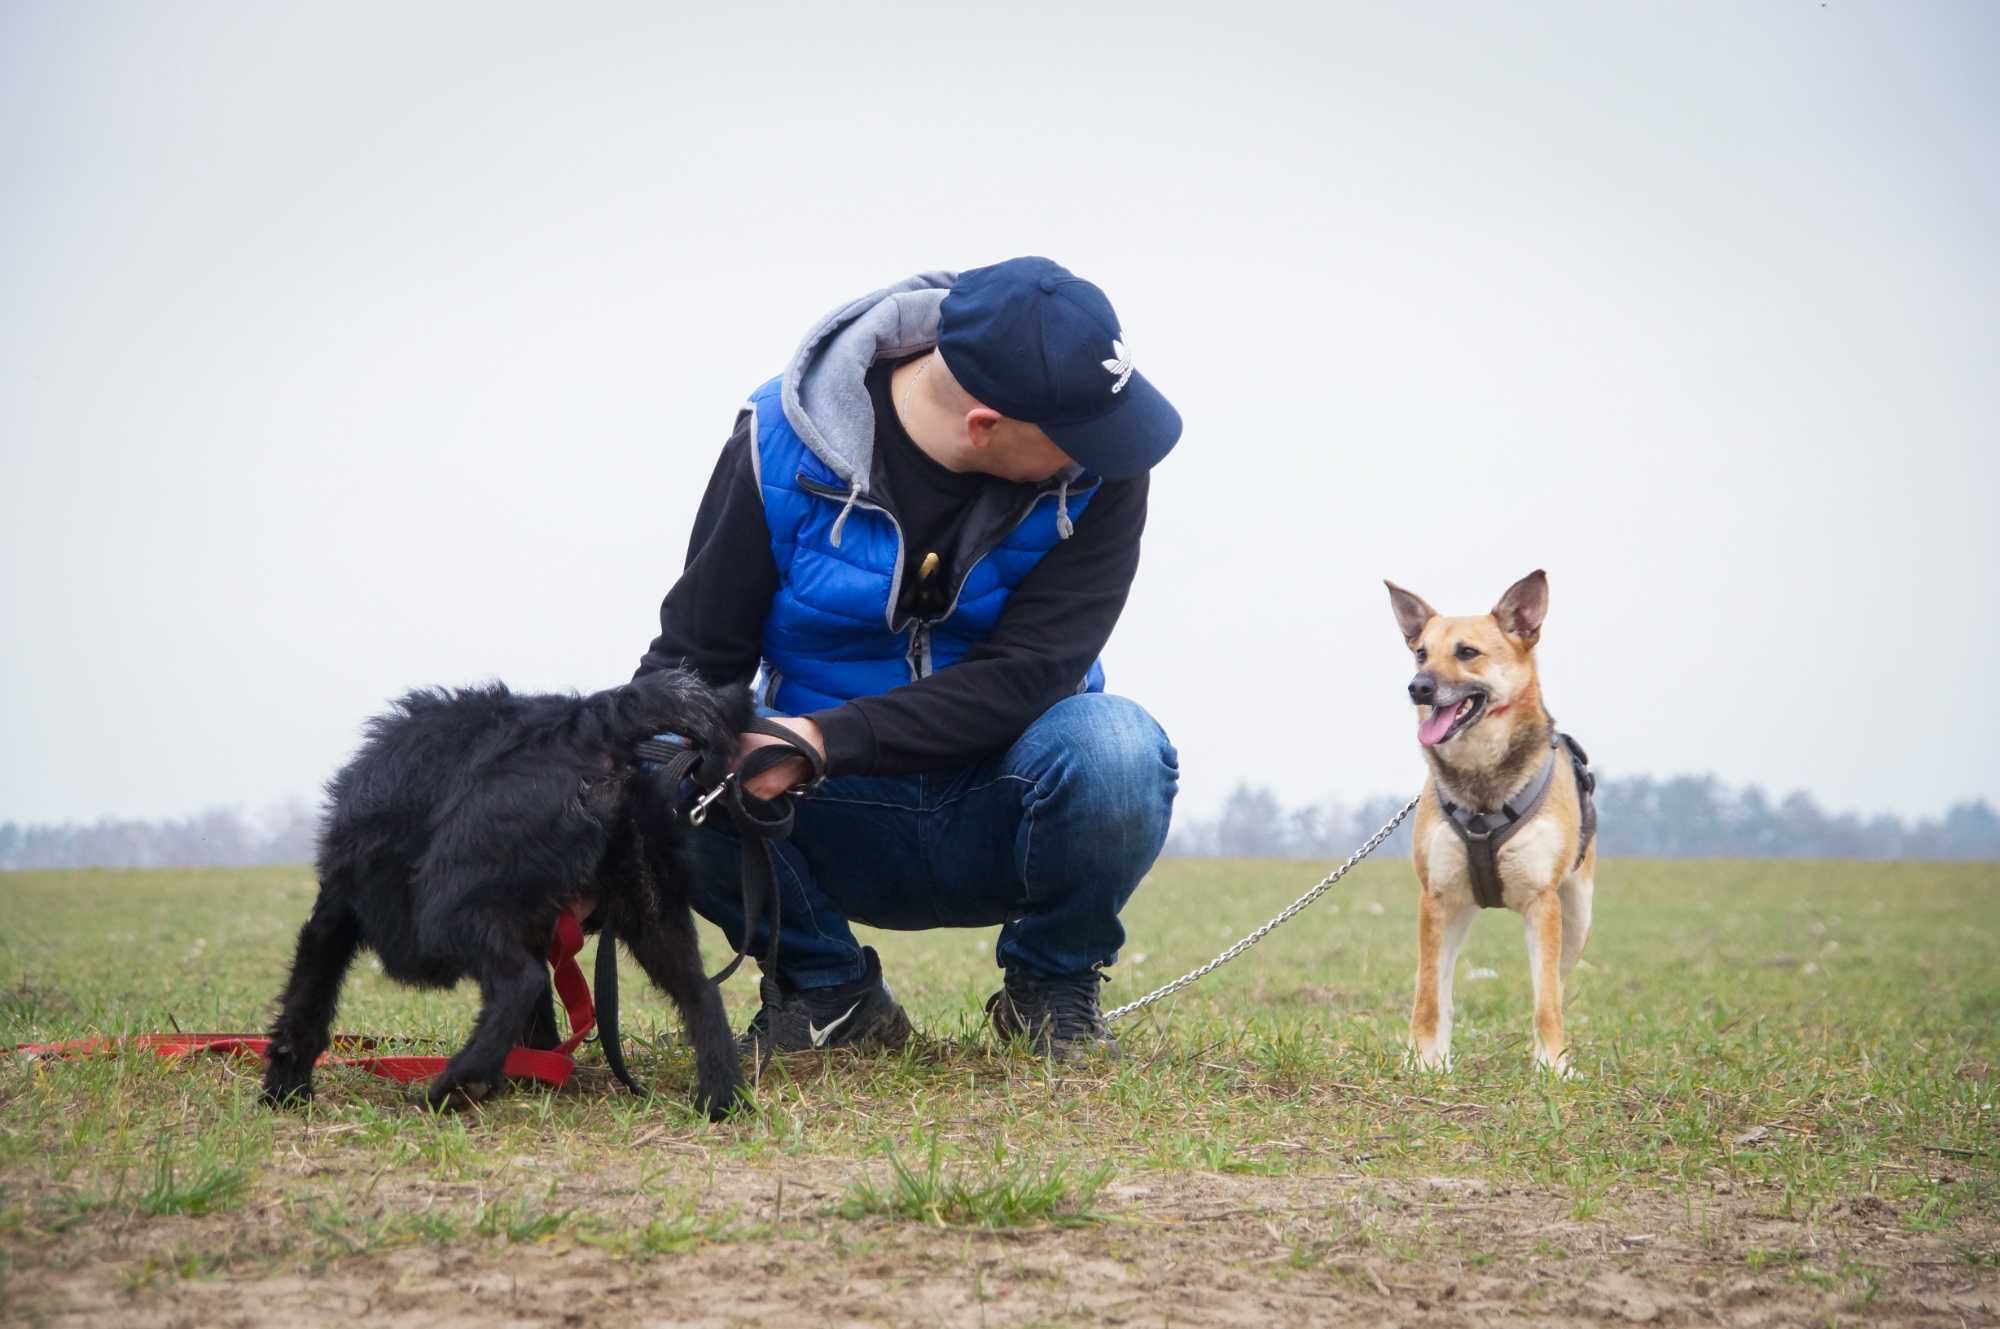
<point x="607" y="1010"/>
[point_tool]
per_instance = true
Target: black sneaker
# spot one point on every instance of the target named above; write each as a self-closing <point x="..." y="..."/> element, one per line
<point x="1058" y="1016"/>
<point x="859" y="1015"/>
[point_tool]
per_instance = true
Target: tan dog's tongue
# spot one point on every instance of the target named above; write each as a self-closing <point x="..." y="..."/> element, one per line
<point x="1432" y="731"/>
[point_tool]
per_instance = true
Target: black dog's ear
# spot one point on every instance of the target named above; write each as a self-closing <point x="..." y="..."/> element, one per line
<point x="737" y="705"/>
<point x="1521" y="610"/>
<point x="1411" y="612"/>
<point x="719" y="750"/>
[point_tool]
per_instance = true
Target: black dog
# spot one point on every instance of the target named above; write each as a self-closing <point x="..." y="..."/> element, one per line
<point x="468" y="822"/>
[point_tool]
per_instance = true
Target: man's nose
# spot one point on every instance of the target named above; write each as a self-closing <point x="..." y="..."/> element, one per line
<point x="1423" y="689"/>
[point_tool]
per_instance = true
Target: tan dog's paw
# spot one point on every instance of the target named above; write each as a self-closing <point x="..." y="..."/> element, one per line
<point x="1559" y="1067"/>
<point x="1435" y="1060"/>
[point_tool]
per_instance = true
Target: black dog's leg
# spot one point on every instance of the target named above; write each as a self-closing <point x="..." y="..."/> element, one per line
<point x="510" y="981"/>
<point x="541" y="1031"/>
<point x="670" y="954"/>
<point x="326" y="947"/>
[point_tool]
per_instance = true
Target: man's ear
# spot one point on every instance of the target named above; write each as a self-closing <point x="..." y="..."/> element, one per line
<point x="1411" y="612"/>
<point x="979" y="425"/>
<point x="1524" y="606"/>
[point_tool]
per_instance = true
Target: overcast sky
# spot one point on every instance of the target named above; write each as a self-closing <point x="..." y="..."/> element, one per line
<point x="351" y="347"/>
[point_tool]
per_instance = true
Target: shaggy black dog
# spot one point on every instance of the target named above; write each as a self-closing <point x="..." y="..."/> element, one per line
<point x="466" y="824"/>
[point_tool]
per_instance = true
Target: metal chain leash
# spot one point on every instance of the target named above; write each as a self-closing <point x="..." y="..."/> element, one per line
<point x="1325" y="884"/>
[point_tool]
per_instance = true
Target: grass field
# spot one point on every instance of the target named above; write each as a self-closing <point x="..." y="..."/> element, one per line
<point x="1784" y="1114"/>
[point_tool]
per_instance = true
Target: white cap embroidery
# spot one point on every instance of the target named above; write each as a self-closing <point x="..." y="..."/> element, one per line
<point x="1121" y="367"/>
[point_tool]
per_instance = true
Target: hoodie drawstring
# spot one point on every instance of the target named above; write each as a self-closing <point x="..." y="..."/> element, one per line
<point x="1065" y="528"/>
<point x="853" y="497"/>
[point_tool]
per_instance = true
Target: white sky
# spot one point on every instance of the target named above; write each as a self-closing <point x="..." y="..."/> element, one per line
<point x="352" y="347"/>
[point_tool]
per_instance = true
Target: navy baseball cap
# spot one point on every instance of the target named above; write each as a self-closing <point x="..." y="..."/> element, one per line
<point x="1036" y="342"/>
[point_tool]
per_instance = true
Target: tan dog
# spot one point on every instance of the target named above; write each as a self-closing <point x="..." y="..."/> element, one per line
<point x="1504" y="819"/>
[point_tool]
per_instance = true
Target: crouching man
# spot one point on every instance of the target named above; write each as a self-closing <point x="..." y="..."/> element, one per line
<point x="918" y="539"/>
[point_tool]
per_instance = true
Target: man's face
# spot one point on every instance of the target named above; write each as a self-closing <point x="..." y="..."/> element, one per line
<point x="1018" y="451"/>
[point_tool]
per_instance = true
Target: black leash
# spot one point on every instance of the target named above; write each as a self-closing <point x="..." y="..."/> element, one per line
<point x="758" y="822"/>
<point x="607" y="1010"/>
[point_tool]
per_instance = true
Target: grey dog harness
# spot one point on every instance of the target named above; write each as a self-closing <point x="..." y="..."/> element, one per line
<point x="1484" y="832"/>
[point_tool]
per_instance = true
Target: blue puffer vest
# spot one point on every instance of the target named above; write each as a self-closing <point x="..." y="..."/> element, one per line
<point x="832" y="634"/>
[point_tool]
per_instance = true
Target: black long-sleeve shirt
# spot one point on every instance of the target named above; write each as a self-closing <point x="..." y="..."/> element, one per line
<point x="1055" y="623"/>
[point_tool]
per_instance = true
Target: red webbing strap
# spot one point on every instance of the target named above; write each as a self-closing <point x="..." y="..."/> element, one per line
<point x="570" y="987"/>
<point x="549" y="1067"/>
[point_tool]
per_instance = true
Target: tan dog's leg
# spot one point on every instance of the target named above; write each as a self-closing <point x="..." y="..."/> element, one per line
<point x="1542" y="920"/>
<point x="1441" y="933"/>
<point x="1576" y="893"/>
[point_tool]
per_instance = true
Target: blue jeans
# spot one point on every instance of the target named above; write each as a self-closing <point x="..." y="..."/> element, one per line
<point x="1049" y="839"/>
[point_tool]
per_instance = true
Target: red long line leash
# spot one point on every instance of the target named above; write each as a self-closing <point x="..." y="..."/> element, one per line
<point x="551" y="1067"/>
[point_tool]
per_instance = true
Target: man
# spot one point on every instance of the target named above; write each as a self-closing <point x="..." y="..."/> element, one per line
<point x="918" y="539"/>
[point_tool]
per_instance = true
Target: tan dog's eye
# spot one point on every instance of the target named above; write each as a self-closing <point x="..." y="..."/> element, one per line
<point x="1467" y="653"/>
<point x="1422" y="655"/>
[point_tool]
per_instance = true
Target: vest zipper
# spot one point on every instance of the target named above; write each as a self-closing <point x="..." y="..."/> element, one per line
<point x="1026" y="512"/>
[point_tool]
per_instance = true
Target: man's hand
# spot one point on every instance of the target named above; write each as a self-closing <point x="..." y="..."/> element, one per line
<point x="794" y="770"/>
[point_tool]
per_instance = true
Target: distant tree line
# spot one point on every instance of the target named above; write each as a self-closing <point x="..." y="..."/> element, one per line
<point x="1686" y="816"/>
<point x="220" y="837"/>
<point x="1682" y="817"/>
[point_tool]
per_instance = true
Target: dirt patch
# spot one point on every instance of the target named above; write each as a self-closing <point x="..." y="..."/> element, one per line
<point x="1173" y="1249"/>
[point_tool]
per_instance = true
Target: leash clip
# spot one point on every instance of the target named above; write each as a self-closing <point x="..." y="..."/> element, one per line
<point x="700" y="812"/>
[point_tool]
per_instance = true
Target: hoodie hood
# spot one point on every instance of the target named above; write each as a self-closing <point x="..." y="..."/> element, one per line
<point x="825" y="389"/>
<point x="825" y="395"/>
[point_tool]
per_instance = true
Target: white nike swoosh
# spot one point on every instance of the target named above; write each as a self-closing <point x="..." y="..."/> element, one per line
<point x="819" y="1035"/>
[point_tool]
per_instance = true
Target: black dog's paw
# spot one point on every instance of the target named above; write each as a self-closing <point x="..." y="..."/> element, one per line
<point x="287" y="1078"/>
<point x="722" y="1105"/>
<point x="289" y="1091"/>
<point x="450" y="1094"/>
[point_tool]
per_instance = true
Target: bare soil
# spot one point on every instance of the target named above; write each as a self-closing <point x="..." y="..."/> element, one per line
<point x="1177" y="1249"/>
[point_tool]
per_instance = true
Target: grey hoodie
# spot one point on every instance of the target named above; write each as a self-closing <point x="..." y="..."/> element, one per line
<point x="825" y="395"/>
<point x="825" y="388"/>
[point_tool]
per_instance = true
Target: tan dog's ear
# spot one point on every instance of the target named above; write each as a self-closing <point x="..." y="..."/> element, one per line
<point x="1524" y="606"/>
<point x="1411" y="612"/>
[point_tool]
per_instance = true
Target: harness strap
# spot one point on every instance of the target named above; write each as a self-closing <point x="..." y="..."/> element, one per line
<point x="1586" y="789"/>
<point x="1483" y="833"/>
<point x="680" y="760"/>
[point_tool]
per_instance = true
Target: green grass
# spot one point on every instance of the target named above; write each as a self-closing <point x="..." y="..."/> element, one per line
<point x="995" y="1194"/>
<point x="199" y="1187"/>
<point x="1799" y="1032"/>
